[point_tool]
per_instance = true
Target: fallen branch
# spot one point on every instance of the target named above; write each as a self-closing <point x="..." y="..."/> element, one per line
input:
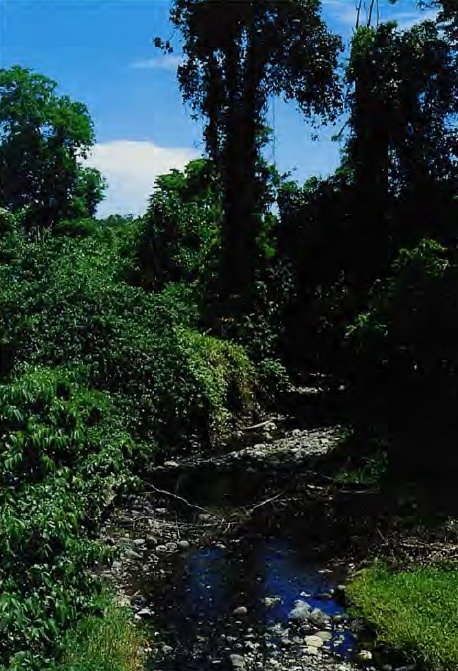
<point x="179" y="498"/>
<point x="263" y="503"/>
<point x="257" y="426"/>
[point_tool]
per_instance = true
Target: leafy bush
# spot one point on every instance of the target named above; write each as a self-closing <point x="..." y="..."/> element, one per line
<point x="179" y="238"/>
<point x="406" y="340"/>
<point x="63" y="452"/>
<point x="63" y="302"/>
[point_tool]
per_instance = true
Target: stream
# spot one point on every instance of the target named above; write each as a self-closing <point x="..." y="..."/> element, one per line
<point x="230" y="586"/>
<point x="238" y="599"/>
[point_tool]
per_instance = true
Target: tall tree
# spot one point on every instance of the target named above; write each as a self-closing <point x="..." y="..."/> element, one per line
<point x="402" y="144"/>
<point x="237" y="55"/>
<point x="43" y="138"/>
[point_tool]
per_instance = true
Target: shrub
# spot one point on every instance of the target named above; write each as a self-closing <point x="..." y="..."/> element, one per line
<point x="62" y="453"/>
<point x="63" y="303"/>
<point x="405" y="344"/>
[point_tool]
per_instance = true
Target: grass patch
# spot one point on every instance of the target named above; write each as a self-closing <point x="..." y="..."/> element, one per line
<point x="108" y="643"/>
<point x="413" y="612"/>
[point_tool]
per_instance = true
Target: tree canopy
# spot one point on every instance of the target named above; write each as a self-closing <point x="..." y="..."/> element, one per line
<point x="43" y="139"/>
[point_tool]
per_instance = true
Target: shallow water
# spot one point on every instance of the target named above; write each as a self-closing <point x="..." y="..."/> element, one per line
<point x="193" y="607"/>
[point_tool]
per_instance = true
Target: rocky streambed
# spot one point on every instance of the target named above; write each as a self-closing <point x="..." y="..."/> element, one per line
<point x="226" y="571"/>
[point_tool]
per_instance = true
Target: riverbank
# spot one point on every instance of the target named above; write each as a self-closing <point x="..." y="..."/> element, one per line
<point x="282" y="488"/>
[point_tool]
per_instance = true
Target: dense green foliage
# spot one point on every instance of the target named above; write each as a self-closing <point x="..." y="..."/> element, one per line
<point x="98" y="379"/>
<point x="43" y="135"/>
<point x="63" y="450"/>
<point x="126" y="340"/>
<point x="236" y="56"/>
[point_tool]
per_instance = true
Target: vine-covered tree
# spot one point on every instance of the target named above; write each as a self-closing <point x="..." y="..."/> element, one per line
<point x="402" y="146"/>
<point x="237" y="55"/>
<point x="43" y="138"/>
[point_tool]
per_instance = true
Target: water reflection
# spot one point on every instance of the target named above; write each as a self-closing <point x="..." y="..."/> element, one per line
<point x="194" y="609"/>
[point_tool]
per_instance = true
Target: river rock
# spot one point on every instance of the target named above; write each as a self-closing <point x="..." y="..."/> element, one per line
<point x="237" y="662"/>
<point x="300" y="612"/>
<point x="310" y="650"/>
<point x="324" y="635"/>
<point x="241" y="610"/>
<point x="325" y="596"/>
<point x="138" y="601"/>
<point x="318" y="618"/>
<point x="139" y="541"/>
<point x="151" y="542"/>
<point x="270" y="601"/>
<point x="340" y="591"/>
<point x="161" y="549"/>
<point x="184" y="545"/>
<point x="171" y="547"/>
<point x="145" y="612"/>
<point x="171" y="464"/>
<point x="131" y="554"/>
<point x="313" y="641"/>
<point x="364" y="656"/>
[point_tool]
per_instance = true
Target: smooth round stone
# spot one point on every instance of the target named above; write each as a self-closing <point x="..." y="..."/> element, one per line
<point x="313" y="641"/>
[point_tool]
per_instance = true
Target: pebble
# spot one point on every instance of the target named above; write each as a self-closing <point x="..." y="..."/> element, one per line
<point x="324" y="635"/>
<point x="151" y="542"/>
<point x="364" y="656"/>
<point x="145" y="612"/>
<point x="139" y="541"/>
<point x="184" y="545"/>
<point x="301" y="611"/>
<point x="131" y="554"/>
<point x="241" y="610"/>
<point x="312" y="651"/>
<point x="138" y="601"/>
<point x="171" y="547"/>
<point x="313" y="641"/>
<point x="171" y="464"/>
<point x="238" y="662"/>
<point x="161" y="549"/>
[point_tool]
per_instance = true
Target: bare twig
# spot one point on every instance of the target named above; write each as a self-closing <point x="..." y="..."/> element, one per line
<point x="257" y="426"/>
<point x="263" y="503"/>
<point x="179" y="498"/>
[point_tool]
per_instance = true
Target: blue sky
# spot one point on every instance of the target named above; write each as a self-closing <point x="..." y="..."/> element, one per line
<point x="100" y="52"/>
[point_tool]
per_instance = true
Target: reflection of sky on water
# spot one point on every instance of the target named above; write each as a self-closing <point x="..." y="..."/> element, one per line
<point x="206" y="582"/>
<point x="211" y="582"/>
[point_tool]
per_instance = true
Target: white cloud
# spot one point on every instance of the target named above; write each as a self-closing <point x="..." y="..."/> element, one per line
<point x="130" y="168"/>
<point x="408" y="19"/>
<point x="166" y="62"/>
<point x="344" y="11"/>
